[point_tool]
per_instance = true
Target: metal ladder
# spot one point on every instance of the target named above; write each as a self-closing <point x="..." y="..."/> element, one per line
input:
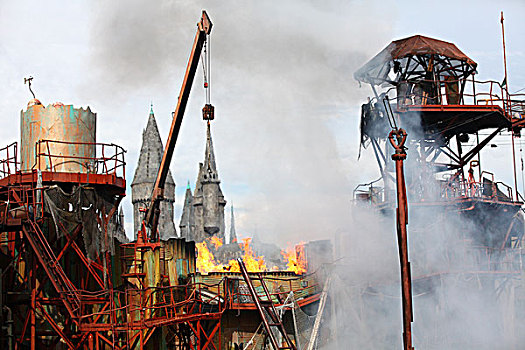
<point x="267" y="310"/>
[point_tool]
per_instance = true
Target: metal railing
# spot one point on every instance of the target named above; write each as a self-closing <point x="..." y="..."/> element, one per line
<point x="368" y="193"/>
<point x="8" y="160"/>
<point x="485" y="188"/>
<point x="301" y="286"/>
<point x="450" y="189"/>
<point x="156" y="306"/>
<point x="469" y="93"/>
<point x="109" y="162"/>
<point x="19" y="202"/>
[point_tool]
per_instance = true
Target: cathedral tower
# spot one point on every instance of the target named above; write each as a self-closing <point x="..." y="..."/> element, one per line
<point x="144" y="180"/>
<point x="203" y="213"/>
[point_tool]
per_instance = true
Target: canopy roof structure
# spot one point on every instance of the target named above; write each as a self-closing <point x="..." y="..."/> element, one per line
<point x="412" y="58"/>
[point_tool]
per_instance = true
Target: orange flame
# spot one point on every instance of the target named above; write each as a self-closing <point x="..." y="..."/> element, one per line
<point x="206" y="262"/>
<point x="295" y="259"/>
<point x="205" y="259"/>
<point x="253" y="263"/>
<point x="216" y="241"/>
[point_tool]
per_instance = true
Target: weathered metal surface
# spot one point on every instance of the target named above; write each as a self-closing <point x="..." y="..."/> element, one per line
<point x="58" y="122"/>
<point x="397" y="139"/>
<point x="117" y="184"/>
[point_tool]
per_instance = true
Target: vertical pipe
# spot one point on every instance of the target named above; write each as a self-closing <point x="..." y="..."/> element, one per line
<point x="387" y="187"/>
<point x="479" y="157"/>
<point x="514" y="164"/>
<point x="9" y="328"/>
<point x="504" y="59"/>
<point x="33" y="306"/>
<point x="402" y="237"/>
<point x="1" y="309"/>
<point x="474" y="90"/>
<point x="507" y="106"/>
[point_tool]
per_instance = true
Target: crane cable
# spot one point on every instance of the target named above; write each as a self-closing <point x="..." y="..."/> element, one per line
<point x="205" y="59"/>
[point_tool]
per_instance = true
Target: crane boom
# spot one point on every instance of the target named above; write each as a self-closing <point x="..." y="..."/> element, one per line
<point x="152" y="214"/>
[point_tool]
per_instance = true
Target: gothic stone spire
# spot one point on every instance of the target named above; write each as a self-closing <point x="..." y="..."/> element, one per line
<point x="233" y="233"/>
<point x="150" y="154"/>
<point x="210" y="168"/>
<point x="187" y="224"/>
<point x="208" y="200"/>
<point x="145" y="175"/>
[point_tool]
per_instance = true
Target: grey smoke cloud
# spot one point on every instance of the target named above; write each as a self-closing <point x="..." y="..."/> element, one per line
<point x="281" y="78"/>
<point x="286" y="132"/>
<point x="457" y="302"/>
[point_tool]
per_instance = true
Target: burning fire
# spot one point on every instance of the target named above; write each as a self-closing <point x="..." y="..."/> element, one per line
<point x="206" y="261"/>
<point x="216" y="241"/>
<point x="295" y="258"/>
<point x="253" y="263"/>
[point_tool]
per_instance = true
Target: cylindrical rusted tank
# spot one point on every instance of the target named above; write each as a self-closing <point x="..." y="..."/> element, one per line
<point x="72" y="135"/>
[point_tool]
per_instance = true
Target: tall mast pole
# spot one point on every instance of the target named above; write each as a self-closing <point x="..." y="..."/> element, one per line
<point x="397" y="138"/>
<point x="507" y="105"/>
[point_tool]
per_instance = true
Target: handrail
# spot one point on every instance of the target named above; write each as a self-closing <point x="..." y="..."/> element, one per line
<point x="455" y="188"/>
<point x="475" y="189"/>
<point x="111" y="161"/>
<point x="8" y="160"/>
<point x="474" y="93"/>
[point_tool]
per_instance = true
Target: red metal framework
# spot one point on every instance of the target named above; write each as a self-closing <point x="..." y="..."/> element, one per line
<point x="428" y="88"/>
<point x="9" y="160"/>
<point x="48" y="265"/>
<point x="58" y="293"/>
<point x="70" y="281"/>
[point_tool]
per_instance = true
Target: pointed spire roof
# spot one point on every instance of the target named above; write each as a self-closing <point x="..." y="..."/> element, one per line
<point x="187" y="215"/>
<point x="207" y="170"/>
<point x="188" y="197"/>
<point x="210" y="168"/>
<point x="233" y="233"/>
<point x="150" y="154"/>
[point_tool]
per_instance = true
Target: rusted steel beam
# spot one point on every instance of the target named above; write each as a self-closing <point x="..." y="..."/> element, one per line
<point x="55" y="327"/>
<point x="210" y="337"/>
<point x="54" y="177"/>
<point x="70" y="240"/>
<point x="54" y="271"/>
<point x="397" y="139"/>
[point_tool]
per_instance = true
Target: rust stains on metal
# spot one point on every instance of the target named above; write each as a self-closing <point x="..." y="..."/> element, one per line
<point x="74" y="129"/>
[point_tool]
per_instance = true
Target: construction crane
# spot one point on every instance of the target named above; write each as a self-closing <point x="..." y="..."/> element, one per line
<point x="151" y="219"/>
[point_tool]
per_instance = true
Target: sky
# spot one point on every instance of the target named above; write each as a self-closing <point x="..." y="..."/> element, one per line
<point x="286" y="133"/>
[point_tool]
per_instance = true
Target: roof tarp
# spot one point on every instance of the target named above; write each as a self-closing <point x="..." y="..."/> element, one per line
<point x="377" y="69"/>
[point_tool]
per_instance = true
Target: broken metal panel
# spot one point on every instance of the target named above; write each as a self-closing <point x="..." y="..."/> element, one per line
<point x="398" y="56"/>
